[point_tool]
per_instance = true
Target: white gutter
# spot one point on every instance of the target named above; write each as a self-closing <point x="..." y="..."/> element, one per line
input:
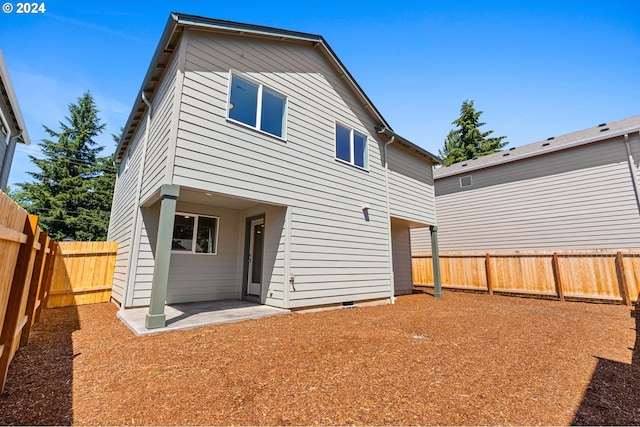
<point x="134" y="248"/>
<point x="632" y="170"/>
<point x="386" y="186"/>
<point x="12" y="141"/>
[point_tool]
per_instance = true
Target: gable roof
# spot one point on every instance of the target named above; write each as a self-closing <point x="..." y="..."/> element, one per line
<point x="169" y="41"/>
<point x="9" y="105"/>
<point x="587" y="136"/>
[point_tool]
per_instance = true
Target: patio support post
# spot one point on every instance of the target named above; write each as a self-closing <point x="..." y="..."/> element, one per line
<point x="168" y="196"/>
<point x="435" y="258"/>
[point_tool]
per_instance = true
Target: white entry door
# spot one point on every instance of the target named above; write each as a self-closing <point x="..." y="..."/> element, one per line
<point x="256" y="244"/>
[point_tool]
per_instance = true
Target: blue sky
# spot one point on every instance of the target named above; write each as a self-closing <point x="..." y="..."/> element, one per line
<point x="536" y="68"/>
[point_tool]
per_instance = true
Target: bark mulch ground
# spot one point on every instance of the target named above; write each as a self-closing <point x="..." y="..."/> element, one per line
<point x="466" y="359"/>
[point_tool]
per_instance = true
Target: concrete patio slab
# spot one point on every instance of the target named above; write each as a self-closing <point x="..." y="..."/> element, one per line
<point x="195" y="314"/>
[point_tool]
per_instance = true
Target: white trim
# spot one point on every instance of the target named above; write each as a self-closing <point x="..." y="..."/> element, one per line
<point x="252" y="225"/>
<point x="351" y="164"/>
<point x="194" y="235"/>
<point x="287" y="258"/>
<point x="258" y="119"/>
<point x="352" y="132"/>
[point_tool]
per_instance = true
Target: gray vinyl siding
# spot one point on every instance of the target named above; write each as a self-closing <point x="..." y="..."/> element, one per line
<point x="205" y="277"/>
<point x="580" y="198"/>
<point x="123" y="211"/>
<point x="336" y="254"/>
<point x="634" y="143"/>
<point x="337" y="258"/>
<point x="142" y="270"/>
<point x="159" y="133"/>
<point x="401" y="249"/>
<point x="420" y="240"/>
<point x="411" y="190"/>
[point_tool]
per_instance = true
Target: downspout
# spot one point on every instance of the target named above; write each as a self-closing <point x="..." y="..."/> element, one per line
<point x="4" y="159"/>
<point x="631" y="169"/>
<point x="11" y="141"/>
<point x="136" y="219"/>
<point x="386" y="186"/>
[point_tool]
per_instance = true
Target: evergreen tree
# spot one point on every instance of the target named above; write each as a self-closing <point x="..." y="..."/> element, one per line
<point x="467" y="141"/>
<point x="72" y="190"/>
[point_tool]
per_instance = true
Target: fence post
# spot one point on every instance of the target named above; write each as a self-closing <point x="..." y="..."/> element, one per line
<point x="487" y="269"/>
<point x="34" y="287"/>
<point x="16" y="318"/>
<point x="435" y="259"/>
<point x="556" y="273"/>
<point x="46" y="280"/>
<point x="622" y="279"/>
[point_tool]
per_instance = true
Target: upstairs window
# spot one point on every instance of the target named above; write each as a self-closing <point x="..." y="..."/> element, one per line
<point x="351" y="146"/>
<point x="257" y="106"/>
<point x="195" y="234"/>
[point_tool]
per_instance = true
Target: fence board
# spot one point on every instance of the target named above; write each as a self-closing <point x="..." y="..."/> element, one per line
<point x="606" y="275"/>
<point x="34" y="286"/>
<point x="12" y="218"/>
<point x="16" y="318"/>
<point x="632" y="272"/>
<point x="82" y="273"/>
<point x="28" y="261"/>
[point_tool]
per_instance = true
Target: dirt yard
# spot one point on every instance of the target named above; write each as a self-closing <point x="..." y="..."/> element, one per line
<point x="467" y="359"/>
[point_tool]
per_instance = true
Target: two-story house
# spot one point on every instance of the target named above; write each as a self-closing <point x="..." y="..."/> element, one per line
<point x="574" y="191"/>
<point x="253" y="166"/>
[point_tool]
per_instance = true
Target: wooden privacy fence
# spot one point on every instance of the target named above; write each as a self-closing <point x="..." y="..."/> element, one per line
<point x="82" y="273"/>
<point x="605" y="275"/>
<point x="37" y="272"/>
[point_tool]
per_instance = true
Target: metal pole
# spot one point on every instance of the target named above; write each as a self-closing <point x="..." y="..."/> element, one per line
<point x="435" y="258"/>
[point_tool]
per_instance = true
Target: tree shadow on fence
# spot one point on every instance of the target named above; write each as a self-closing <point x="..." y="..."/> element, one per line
<point x="613" y="395"/>
<point x="39" y="388"/>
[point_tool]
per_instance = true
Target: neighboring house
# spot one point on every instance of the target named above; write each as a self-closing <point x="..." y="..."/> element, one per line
<point x="575" y="191"/>
<point x="12" y="127"/>
<point x="253" y="166"/>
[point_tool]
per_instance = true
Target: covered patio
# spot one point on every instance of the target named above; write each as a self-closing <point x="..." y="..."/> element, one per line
<point x="194" y="314"/>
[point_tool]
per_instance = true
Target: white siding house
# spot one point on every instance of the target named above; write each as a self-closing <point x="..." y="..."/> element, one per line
<point x="12" y="127"/>
<point x="575" y="191"/>
<point x="253" y="167"/>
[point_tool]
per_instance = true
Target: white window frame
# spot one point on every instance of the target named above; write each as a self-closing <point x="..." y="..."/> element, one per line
<point x="124" y="166"/>
<point x="195" y="231"/>
<point x="261" y="87"/>
<point x="470" y="181"/>
<point x="351" y="146"/>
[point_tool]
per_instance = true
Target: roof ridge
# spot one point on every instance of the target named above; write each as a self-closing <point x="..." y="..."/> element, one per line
<point x="551" y="144"/>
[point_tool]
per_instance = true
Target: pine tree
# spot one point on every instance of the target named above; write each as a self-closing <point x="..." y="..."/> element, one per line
<point x="467" y="141"/>
<point x="72" y="190"/>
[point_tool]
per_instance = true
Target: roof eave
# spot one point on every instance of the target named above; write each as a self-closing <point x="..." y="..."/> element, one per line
<point x="139" y="107"/>
<point x="567" y="146"/>
<point x="408" y="144"/>
<point x="179" y="20"/>
<point x="7" y="87"/>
